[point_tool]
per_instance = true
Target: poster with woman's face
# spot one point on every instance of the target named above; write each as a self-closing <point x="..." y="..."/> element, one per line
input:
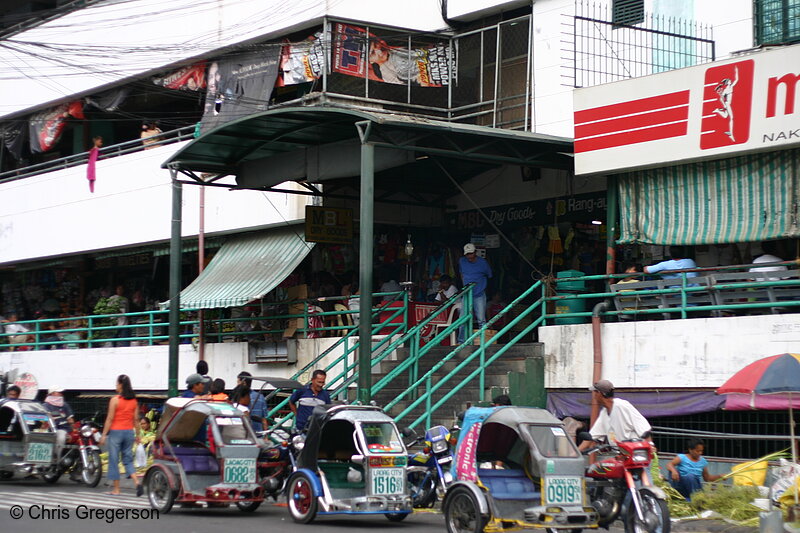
<point x="358" y="53"/>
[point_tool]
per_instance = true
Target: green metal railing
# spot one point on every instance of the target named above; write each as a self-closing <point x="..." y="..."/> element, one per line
<point x="392" y="340"/>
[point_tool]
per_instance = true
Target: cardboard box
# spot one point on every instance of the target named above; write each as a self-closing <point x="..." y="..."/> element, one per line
<point x="488" y="335"/>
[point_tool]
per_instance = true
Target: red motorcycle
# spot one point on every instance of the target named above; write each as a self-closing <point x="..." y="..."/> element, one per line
<point x="80" y="456"/>
<point x="619" y="486"/>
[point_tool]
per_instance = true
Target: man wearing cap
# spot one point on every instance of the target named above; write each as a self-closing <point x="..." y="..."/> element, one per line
<point x="618" y="419"/>
<point x="475" y="270"/>
<point x="195" y="386"/>
<point x="62" y="416"/>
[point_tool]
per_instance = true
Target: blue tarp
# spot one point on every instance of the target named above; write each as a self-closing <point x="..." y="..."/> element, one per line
<point x="651" y="404"/>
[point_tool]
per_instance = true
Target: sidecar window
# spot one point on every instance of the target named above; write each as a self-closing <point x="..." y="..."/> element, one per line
<point x="382" y="437"/>
<point x="9" y="424"/>
<point x="553" y="441"/>
<point x="233" y="430"/>
<point x="37" y="422"/>
<point x="336" y="441"/>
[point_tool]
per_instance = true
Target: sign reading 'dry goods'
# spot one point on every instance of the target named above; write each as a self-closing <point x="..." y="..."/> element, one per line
<point x="720" y="109"/>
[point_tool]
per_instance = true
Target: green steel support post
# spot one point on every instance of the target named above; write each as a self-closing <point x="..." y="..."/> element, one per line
<point x="428" y="402"/>
<point x="683" y="294"/>
<point x="482" y="376"/>
<point x="175" y="284"/>
<point x="365" y="272"/>
<point x="612" y="204"/>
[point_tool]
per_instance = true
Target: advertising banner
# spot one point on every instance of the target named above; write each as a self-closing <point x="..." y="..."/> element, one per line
<point x="46" y="127"/>
<point x="239" y="85"/>
<point x="302" y="62"/>
<point x="188" y="78"/>
<point x="357" y="53"/>
<point x="726" y="108"/>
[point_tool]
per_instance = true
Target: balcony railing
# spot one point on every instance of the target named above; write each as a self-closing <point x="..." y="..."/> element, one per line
<point x="597" y="50"/>
<point x="128" y="147"/>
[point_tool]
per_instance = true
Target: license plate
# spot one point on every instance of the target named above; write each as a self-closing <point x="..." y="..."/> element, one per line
<point x="388" y="480"/>
<point x="240" y="471"/>
<point x="563" y="490"/>
<point x="39" y="452"/>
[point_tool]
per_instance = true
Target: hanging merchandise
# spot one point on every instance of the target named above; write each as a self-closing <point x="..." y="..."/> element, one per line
<point x="46" y="127"/>
<point x="554" y="246"/>
<point x="568" y="239"/>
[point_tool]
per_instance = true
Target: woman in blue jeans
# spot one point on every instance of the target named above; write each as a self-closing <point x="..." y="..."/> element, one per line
<point x="121" y="431"/>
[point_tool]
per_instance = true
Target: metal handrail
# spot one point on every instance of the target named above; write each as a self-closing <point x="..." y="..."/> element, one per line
<point x="114" y="150"/>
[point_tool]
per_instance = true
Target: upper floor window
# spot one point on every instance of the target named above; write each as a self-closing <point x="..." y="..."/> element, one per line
<point x="776" y="21"/>
<point x="627" y="12"/>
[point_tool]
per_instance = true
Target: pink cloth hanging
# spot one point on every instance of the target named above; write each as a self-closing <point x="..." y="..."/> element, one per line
<point x="90" y="168"/>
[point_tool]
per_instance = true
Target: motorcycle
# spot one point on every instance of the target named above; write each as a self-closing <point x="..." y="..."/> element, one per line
<point x="428" y="472"/>
<point x="80" y="456"/>
<point x="276" y="461"/>
<point x="619" y="486"/>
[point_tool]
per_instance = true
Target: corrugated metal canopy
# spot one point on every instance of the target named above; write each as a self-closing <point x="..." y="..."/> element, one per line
<point x="246" y="268"/>
<point x="280" y="133"/>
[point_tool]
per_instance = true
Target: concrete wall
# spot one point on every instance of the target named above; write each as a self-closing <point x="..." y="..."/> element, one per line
<point x="666" y="353"/>
<point x="148" y="366"/>
<point x="55" y="214"/>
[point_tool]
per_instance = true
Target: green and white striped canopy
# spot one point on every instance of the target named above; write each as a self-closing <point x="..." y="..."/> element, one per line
<point x="742" y="199"/>
<point x="246" y="268"/>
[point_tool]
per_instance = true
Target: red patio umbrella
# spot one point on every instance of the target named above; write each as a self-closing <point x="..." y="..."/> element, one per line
<point x="777" y="374"/>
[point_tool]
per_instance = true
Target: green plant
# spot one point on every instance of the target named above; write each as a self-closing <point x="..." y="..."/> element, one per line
<point x="105" y="306"/>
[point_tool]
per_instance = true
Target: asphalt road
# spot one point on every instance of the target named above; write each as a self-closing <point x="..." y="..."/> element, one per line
<point x="31" y="505"/>
<point x="69" y="507"/>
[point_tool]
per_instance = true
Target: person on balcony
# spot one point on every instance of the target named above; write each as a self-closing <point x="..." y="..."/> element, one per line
<point x="770" y="255"/>
<point x="149" y="131"/>
<point x="122" y="303"/>
<point x="475" y="270"/>
<point x="680" y="261"/>
<point x="19" y="334"/>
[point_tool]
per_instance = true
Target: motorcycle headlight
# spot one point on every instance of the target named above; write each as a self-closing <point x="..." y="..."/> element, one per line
<point x="641" y="456"/>
<point x="86" y="431"/>
<point x="439" y="446"/>
<point x="298" y="441"/>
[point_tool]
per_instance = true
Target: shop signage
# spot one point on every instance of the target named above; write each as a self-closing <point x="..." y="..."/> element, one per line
<point x="123" y="261"/>
<point x="722" y="109"/>
<point x="329" y="225"/>
<point x="578" y="208"/>
<point x="28" y="385"/>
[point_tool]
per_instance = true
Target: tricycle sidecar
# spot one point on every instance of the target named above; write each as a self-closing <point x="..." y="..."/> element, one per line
<point x="205" y="451"/>
<point x="516" y="468"/>
<point x="352" y="461"/>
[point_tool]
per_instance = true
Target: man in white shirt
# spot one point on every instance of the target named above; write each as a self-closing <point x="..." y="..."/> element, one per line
<point x="447" y="290"/>
<point x="769" y="256"/>
<point x="618" y="419"/>
<point x="19" y="333"/>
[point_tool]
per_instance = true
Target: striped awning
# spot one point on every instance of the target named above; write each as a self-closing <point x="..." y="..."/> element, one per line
<point x="246" y="268"/>
<point x="741" y="199"/>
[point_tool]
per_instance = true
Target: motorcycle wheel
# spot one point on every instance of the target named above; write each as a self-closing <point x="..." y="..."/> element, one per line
<point x="423" y="489"/>
<point x="52" y="474"/>
<point x="301" y="500"/>
<point x="396" y="517"/>
<point x="462" y="514"/>
<point x="159" y="493"/>
<point x="92" y="472"/>
<point x="248" y="507"/>
<point x="656" y="514"/>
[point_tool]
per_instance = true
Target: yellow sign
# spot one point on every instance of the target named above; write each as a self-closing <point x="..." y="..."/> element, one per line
<point x="329" y="224"/>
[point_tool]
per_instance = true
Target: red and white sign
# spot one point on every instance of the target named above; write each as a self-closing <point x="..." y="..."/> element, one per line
<point x="705" y="112"/>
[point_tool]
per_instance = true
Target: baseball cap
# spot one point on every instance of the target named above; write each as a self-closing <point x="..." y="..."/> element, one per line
<point x="194" y="379"/>
<point x="469" y="248"/>
<point x="603" y="386"/>
<point x="55" y="389"/>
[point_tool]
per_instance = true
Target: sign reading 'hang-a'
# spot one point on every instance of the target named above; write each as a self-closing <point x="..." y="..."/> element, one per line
<point x="705" y="112"/>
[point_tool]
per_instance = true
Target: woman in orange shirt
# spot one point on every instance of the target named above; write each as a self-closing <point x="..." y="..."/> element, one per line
<point x="121" y="431"/>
